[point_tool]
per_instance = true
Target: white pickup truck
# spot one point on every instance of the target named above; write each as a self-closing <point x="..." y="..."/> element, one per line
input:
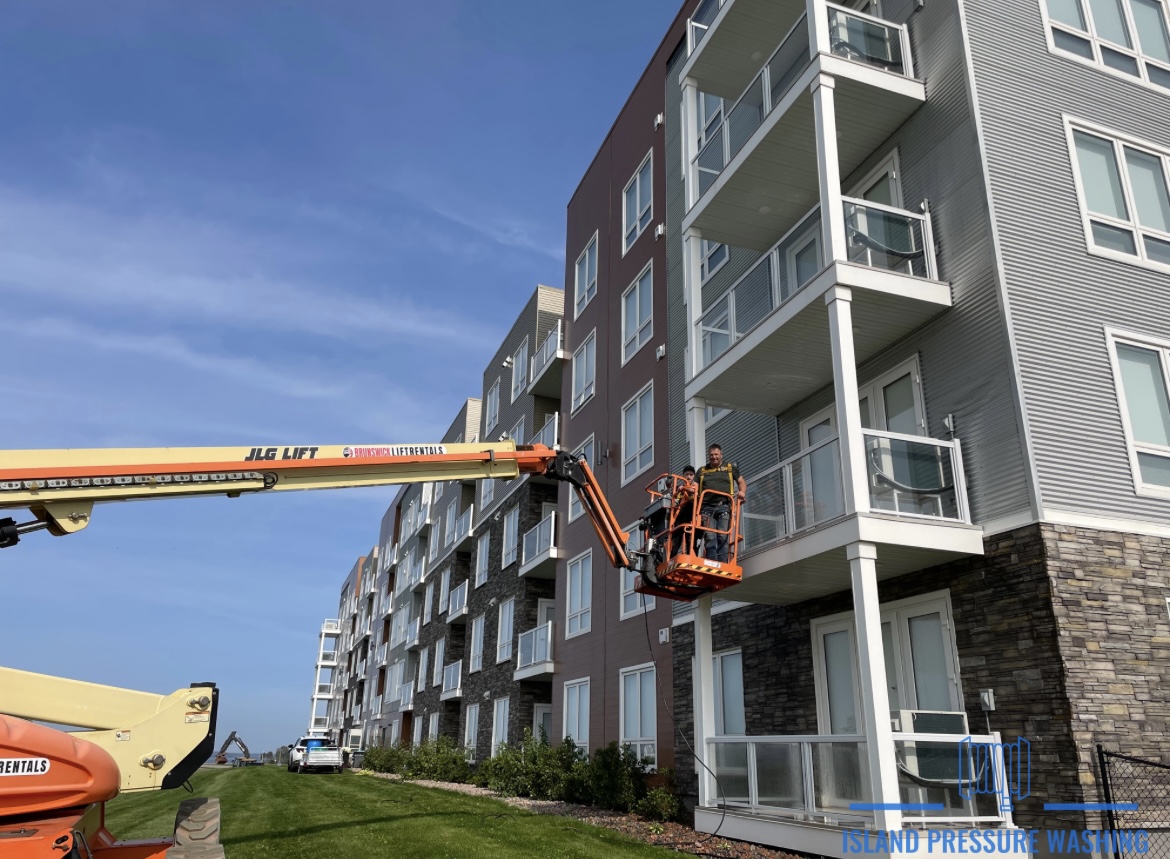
<point x="314" y="753"/>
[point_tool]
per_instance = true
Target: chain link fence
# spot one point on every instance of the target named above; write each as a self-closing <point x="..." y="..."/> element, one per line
<point x="1145" y="784"/>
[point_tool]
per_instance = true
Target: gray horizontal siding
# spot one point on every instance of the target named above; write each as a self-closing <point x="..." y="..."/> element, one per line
<point x="1061" y="297"/>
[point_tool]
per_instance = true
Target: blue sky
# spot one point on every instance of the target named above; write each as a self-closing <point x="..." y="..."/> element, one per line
<point x="261" y="223"/>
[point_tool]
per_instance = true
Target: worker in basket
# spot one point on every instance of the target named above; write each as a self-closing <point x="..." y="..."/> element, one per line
<point x="717" y="483"/>
<point x="682" y="536"/>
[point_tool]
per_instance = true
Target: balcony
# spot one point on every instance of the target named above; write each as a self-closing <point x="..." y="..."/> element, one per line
<point x="418" y="575"/>
<point x="377" y="708"/>
<point x="546" y="367"/>
<point x="739" y="194"/>
<point x="406" y="697"/>
<point x="328" y="657"/>
<point x="452" y="681"/>
<point x="330" y="626"/>
<point x="765" y="345"/>
<point x="549" y="434"/>
<point x="383" y="653"/>
<point x="389" y="558"/>
<point x="361" y="668"/>
<point x="796" y="531"/>
<point x="534" y="656"/>
<point x="800" y="789"/>
<point x="320" y="723"/>
<point x="539" y="552"/>
<point x="324" y="690"/>
<point x="411" y="636"/>
<point x="457" y="604"/>
<point x="423" y="521"/>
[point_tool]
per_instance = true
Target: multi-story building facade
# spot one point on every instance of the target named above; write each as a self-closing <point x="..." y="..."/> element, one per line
<point x="914" y="261"/>
<point x="613" y="680"/>
<point x="349" y="677"/>
<point x="328" y="643"/>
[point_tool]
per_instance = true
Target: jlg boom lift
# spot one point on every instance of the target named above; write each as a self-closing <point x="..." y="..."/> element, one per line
<point x="54" y="785"/>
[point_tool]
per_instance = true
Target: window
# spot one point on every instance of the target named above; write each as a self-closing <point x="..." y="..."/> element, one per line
<point x="434" y="731"/>
<point x="416" y="734"/>
<point x="504" y="631"/>
<point x="1124" y="196"/>
<point x="511" y="537"/>
<point x="714" y="256"/>
<point x="452" y="519"/>
<point x="580" y="594"/>
<point x="1142" y="370"/>
<point x="500" y="725"/>
<point x="428" y="601"/>
<point x="638" y="434"/>
<point x="634" y="603"/>
<point x="639" y="726"/>
<point x="487" y="493"/>
<point x="586" y="451"/>
<point x="804" y="259"/>
<point x="492" y="410"/>
<point x="422" y="668"/>
<point x="520" y="370"/>
<point x="444" y="590"/>
<point x="482" y="548"/>
<point x="584" y="370"/>
<point x="440" y="655"/>
<point x="542" y="721"/>
<point x="730" y="718"/>
<point x="638" y="210"/>
<point x="638" y="313"/>
<point x="577" y="713"/>
<point x="471" y="730"/>
<point x="710" y="117"/>
<point x="476" y="644"/>
<point x="919" y="653"/>
<point x="395" y="732"/>
<point x="586" y="282"/>
<point x="1125" y="37"/>
<point x="517" y="432"/>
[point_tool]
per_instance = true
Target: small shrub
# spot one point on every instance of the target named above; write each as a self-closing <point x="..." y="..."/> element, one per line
<point x="438" y="760"/>
<point x="617" y="778"/>
<point x="505" y="772"/>
<point x="385" y="759"/>
<point x="658" y="804"/>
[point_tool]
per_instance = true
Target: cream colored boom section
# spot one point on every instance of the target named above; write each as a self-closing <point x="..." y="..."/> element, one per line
<point x="148" y="735"/>
<point x="60" y="487"/>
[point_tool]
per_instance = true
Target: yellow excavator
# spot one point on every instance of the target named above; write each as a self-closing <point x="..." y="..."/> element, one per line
<point x="54" y="806"/>
<point x="246" y="760"/>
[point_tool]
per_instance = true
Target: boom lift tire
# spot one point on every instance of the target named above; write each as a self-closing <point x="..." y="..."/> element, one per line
<point x="197" y="822"/>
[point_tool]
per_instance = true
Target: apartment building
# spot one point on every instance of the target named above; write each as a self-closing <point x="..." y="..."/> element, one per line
<point x="328" y="642"/>
<point x="349" y="682"/>
<point x="915" y="255"/>
<point x="613" y="680"/>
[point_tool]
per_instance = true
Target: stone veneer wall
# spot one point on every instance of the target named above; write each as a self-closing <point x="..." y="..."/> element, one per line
<point x="1007" y="638"/>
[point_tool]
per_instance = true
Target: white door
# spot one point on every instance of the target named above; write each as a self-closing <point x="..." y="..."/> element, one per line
<point x="542" y="720"/>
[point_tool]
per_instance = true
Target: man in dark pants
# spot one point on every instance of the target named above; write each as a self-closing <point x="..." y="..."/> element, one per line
<point x="715" y="509"/>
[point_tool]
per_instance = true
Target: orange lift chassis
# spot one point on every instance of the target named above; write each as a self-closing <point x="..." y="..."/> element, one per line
<point x="54" y="785"/>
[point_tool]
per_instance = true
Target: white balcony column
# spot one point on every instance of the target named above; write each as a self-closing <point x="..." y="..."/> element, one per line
<point x="697" y="429"/>
<point x="828" y="168"/>
<point x="848" y="416"/>
<point x="690" y="141"/>
<point x="871" y="670"/>
<point x="818" y="32"/>
<point x="693" y="296"/>
<point x="704" y="695"/>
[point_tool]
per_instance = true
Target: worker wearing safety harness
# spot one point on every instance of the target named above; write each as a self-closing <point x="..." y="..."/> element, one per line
<point x="714" y="479"/>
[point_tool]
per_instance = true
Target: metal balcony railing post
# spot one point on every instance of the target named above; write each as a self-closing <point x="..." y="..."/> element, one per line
<point x="928" y="241"/>
<point x="753" y="774"/>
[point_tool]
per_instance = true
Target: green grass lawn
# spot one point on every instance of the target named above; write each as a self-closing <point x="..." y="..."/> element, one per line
<point x="268" y="811"/>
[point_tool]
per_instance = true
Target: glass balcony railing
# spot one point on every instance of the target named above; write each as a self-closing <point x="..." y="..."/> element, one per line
<point x="382" y="651"/>
<point x="457" y="602"/>
<point x="535" y="646"/>
<point x="452" y="677"/>
<point x="547" y="351"/>
<point x="320" y="721"/>
<point x="330" y="626"/>
<point x="549" y="434"/>
<point x="799" y="493"/>
<point x="852" y="35"/>
<point x="877" y="236"/>
<point x="329" y="656"/>
<point x="406" y="695"/>
<point x="463" y="524"/>
<point x="539" y="539"/>
<point x="324" y="688"/>
<point x="700" y="22"/>
<point x="377" y="704"/>
<point x="915" y="476"/>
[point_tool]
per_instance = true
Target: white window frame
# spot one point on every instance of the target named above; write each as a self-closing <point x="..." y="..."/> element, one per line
<point x="720" y="697"/>
<point x="645" y="215"/>
<point x="538" y="711"/>
<point x="584" y="614"/>
<point x="520" y="370"/>
<point x="471" y="730"/>
<point x="423" y="665"/>
<point x="1098" y="42"/>
<point x="428" y="602"/>
<point x="510" y="551"/>
<point x="588" y="390"/>
<point x="475" y="652"/>
<point x="581" y="743"/>
<point x="871" y="390"/>
<point x="500" y="732"/>
<point x="452" y="518"/>
<point x="707" y="250"/>
<point x="633" y="343"/>
<point x="483" y="548"/>
<point x="434" y="726"/>
<point x="516" y="433"/>
<point x="491" y="412"/>
<point x="416" y="732"/>
<point x="486" y="493"/>
<point x="440" y="657"/>
<point x="1133" y="448"/>
<point x="893" y="612"/>
<point x="713" y="414"/>
<point x="811" y="236"/>
<point x="504" y="642"/>
<point x="591" y="285"/>
<point x="1119" y="141"/>
<point x="638" y="742"/>
<point x="445" y="591"/>
<point x="891" y="165"/>
<point x="576" y="509"/>
<point x="629" y="578"/>
<point x="636" y="401"/>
